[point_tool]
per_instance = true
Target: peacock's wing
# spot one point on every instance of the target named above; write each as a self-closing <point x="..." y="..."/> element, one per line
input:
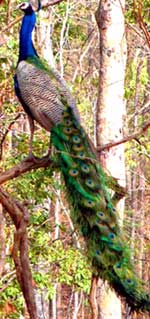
<point x="42" y="93"/>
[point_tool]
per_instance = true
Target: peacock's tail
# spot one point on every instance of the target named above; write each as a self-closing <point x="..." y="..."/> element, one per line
<point x="93" y="211"/>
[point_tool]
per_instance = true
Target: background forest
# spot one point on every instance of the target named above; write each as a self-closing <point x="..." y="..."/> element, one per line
<point x="67" y="36"/>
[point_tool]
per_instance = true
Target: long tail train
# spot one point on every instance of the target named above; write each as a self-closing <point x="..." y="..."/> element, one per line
<point x="94" y="212"/>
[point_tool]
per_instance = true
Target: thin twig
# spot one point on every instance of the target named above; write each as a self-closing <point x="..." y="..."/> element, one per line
<point x="6" y="132"/>
<point x="11" y="24"/>
<point x="51" y="3"/>
<point x="8" y="282"/>
<point x="44" y="5"/>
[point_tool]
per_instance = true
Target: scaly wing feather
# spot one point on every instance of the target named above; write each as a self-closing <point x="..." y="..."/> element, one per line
<point x="39" y="94"/>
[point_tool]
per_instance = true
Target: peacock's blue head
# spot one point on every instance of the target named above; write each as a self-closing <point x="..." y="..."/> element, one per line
<point x="27" y="8"/>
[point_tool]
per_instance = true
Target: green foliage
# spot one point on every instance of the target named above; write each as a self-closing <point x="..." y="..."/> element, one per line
<point x="12" y="295"/>
<point x="131" y="80"/>
<point x="131" y="13"/>
<point x="59" y="263"/>
<point x="26" y="186"/>
<point x="78" y="274"/>
<point x="144" y="76"/>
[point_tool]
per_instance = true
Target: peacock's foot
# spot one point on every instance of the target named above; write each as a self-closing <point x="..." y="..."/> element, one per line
<point x="49" y="152"/>
<point x="32" y="158"/>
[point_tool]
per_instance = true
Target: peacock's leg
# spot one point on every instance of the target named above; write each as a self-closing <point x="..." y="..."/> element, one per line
<point x="31" y="124"/>
<point x="32" y="127"/>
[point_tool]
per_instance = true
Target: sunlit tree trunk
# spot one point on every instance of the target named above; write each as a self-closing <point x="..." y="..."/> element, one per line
<point x="44" y="35"/>
<point x="111" y="112"/>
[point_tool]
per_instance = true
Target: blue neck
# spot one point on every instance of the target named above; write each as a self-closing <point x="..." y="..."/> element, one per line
<point x="26" y="48"/>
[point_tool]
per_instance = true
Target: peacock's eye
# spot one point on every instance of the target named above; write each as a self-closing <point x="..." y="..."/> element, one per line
<point x="68" y="122"/>
<point x="101" y="214"/>
<point x="111" y="235"/>
<point x="76" y="139"/>
<point x="67" y="130"/>
<point x="73" y="172"/>
<point x="129" y="281"/>
<point x="98" y="252"/>
<point x="81" y="155"/>
<point x="89" y="182"/>
<point x="85" y="168"/>
<point x="89" y="203"/>
<point x="118" y="266"/>
<point x="65" y="114"/>
<point x="77" y="147"/>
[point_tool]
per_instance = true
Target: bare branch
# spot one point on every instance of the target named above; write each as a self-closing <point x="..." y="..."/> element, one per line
<point x="142" y="23"/>
<point x="45" y="4"/>
<point x="128" y="138"/>
<point x="20" y="216"/>
<point x="6" y="132"/>
<point x="138" y="15"/>
<point x="13" y="276"/>
<point x="62" y="37"/>
<point x="11" y="24"/>
<point x="26" y="165"/>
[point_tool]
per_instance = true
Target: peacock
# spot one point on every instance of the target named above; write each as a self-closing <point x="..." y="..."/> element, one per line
<point x="47" y="100"/>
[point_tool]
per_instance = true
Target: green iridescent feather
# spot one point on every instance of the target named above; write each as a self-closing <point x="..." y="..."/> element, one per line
<point x="94" y="212"/>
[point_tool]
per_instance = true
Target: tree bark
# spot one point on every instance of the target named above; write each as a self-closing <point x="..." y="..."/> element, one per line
<point x="111" y="112"/>
<point x="20" y="216"/>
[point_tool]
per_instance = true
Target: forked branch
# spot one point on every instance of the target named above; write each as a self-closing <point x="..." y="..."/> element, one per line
<point x="19" y="215"/>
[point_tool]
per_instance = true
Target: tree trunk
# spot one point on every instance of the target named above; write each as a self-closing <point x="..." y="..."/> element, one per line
<point x="44" y="36"/>
<point x="111" y="112"/>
